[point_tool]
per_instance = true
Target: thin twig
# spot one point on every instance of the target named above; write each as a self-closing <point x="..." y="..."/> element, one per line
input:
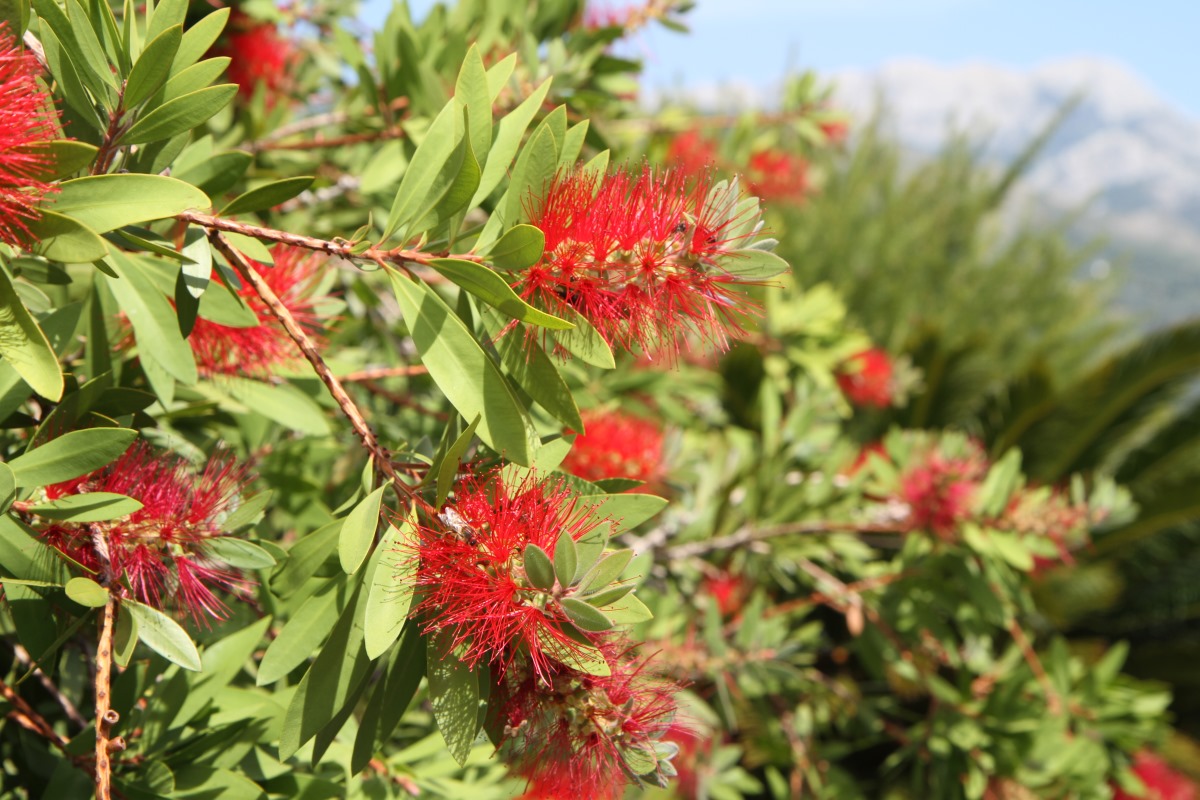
<point x="106" y="717"/>
<point x="27" y="717"/>
<point x="330" y="118"/>
<point x="68" y="707"/>
<point x="321" y="142"/>
<point x="750" y="534"/>
<point x="379" y="373"/>
<point x="1053" y="701"/>
<point x="380" y="455"/>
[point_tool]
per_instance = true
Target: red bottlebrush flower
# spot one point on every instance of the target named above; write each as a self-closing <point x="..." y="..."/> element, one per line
<point x="864" y="455"/>
<point x="26" y="123"/>
<point x="160" y="553"/>
<point x="1042" y="512"/>
<point x="728" y="589"/>
<point x="866" y="378"/>
<point x="835" y="130"/>
<point x="1162" y="782"/>
<point x="693" y="761"/>
<point x="616" y="445"/>
<point x="939" y="490"/>
<point x="774" y="174"/>
<point x="692" y="153"/>
<point x="258" y="55"/>
<point x="260" y="350"/>
<point x="598" y="16"/>
<point x="636" y="255"/>
<point x="473" y="573"/>
<point x="585" y="737"/>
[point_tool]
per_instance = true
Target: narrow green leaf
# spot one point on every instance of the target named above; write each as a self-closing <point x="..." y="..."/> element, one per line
<point x="535" y="372"/>
<point x="164" y="635"/>
<point x="153" y="66"/>
<point x="106" y="202"/>
<point x="249" y="512"/>
<point x="301" y="636"/>
<point x="607" y="570"/>
<point x="519" y="248"/>
<point x="427" y="169"/>
<point x="509" y="132"/>
<point x="566" y="559"/>
<point x="198" y="39"/>
<point x="391" y="697"/>
<point x="71" y="455"/>
<point x="538" y="567"/>
<point x="463" y="371"/>
<point x="180" y="115"/>
<point x="8" y="487"/>
<point x="753" y="265"/>
<point x="450" y="461"/>
<point x="87" y="507"/>
<point x="472" y="91"/>
<point x="495" y="291"/>
<point x="358" y="531"/>
<point x="391" y="592"/>
<point x="583" y="657"/>
<point x="195" y="77"/>
<point x="155" y="323"/>
<point x="305" y="557"/>
<point x="454" y="695"/>
<point x="24" y="346"/>
<point x="282" y="402"/>
<point x="630" y="510"/>
<point x="584" y="616"/>
<point x="532" y="175"/>
<point x="606" y="597"/>
<point x="125" y="638"/>
<point x="629" y="610"/>
<point x="267" y="196"/>
<point x="238" y="552"/>
<point x="87" y="592"/>
<point x="586" y="344"/>
<point x="65" y="157"/>
<point x="217" y="174"/>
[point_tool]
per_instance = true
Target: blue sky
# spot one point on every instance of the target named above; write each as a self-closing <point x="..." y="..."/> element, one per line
<point x="757" y="41"/>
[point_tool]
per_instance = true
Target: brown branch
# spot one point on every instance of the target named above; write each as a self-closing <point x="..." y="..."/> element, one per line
<point x="106" y="717"/>
<point x="403" y="400"/>
<point x="248" y="274"/>
<point x="319" y="142"/>
<point x="331" y="118"/>
<point x="378" y="373"/>
<point x="750" y="535"/>
<point x="68" y="707"/>
<point x="27" y="717"/>
<point x="1053" y="701"/>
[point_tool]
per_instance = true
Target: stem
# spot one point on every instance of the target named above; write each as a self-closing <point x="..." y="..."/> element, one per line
<point x="106" y="717"/>
<point x="25" y="716"/>
<point x="382" y="459"/>
<point x="749" y="535"/>
<point x="319" y="142"/>
<point x="377" y="373"/>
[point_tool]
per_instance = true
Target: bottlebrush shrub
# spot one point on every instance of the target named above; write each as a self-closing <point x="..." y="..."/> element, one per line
<point x="259" y="56"/>
<point x="649" y="259"/>
<point x="167" y="553"/>
<point x="1158" y="779"/>
<point x="616" y="445"/>
<point x="27" y="124"/>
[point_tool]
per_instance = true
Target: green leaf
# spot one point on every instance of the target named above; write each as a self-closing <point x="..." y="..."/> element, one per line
<point x="106" y="202"/>
<point x="66" y="239"/>
<point x="87" y="507"/>
<point x="532" y="175"/>
<point x="538" y="567"/>
<point x="71" y="455"/>
<point x="576" y="655"/>
<point x="87" y="592"/>
<point x="125" y="639"/>
<point x="391" y="592"/>
<point x="752" y="265"/>
<point x="391" y="697"/>
<point x="358" y="531"/>
<point x="527" y="363"/>
<point x="629" y="610"/>
<point x="519" y="248"/>
<point x="495" y="291"/>
<point x="24" y="346"/>
<point x="606" y="570"/>
<point x="509" y="132"/>
<point x="305" y="557"/>
<point x="163" y="635"/>
<point x="67" y="156"/>
<point x="8" y="487"/>
<point x="180" y="115"/>
<point x="454" y="695"/>
<point x="584" y="616"/>
<point x="217" y="174"/>
<point x="248" y="512"/>
<point x="472" y="91"/>
<point x="586" y="344"/>
<point x="301" y="636"/>
<point x="566" y="559"/>
<point x="198" y="39"/>
<point x="630" y="510"/>
<point x="155" y="324"/>
<point x="1001" y="481"/>
<point x="450" y="461"/>
<point x="283" y="403"/>
<point x="16" y="14"/>
<point x="153" y="66"/>
<point x="238" y="552"/>
<point x="463" y="371"/>
<point x="267" y="196"/>
<point x="427" y="174"/>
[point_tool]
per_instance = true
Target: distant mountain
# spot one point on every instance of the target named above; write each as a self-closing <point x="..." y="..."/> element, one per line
<point x="1127" y="153"/>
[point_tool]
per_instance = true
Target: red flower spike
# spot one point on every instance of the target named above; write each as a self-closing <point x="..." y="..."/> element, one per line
<point x="777" y="175"/>
<point x="616" y="445"/>
<point x="866" y="378"/>
<point x="692" y="153"/>
<point x="634" y="253"/>
<point x="258" y="55"/>
<point x="582" y="737"/>
<point x="159" y="552"/>
<point x="473" y="575"/>
<point x="1162" y="782"/>
<point x="728" y="589"/>
<point x="26" y="124"/>
<point x="939" y="490"/>
<point x="260" y="350"/>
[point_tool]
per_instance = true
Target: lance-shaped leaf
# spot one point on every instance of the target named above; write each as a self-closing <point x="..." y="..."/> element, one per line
<point x="463" y="371"/>
<point x="432" y="169"/>
<point x="87" y="507"/>
<point x="391" y="591"/>
<point x="180" y="115"/>
<point x="25" y="346"/>
<point x="71" y="455"/>
<point x="106" y="202"/>
<point x="495" y="291"/>
<point x="454" y="695"/>
<point x="153" y="66"/>
<point x="163" y="635"/>
<point x="358" y="531"/>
